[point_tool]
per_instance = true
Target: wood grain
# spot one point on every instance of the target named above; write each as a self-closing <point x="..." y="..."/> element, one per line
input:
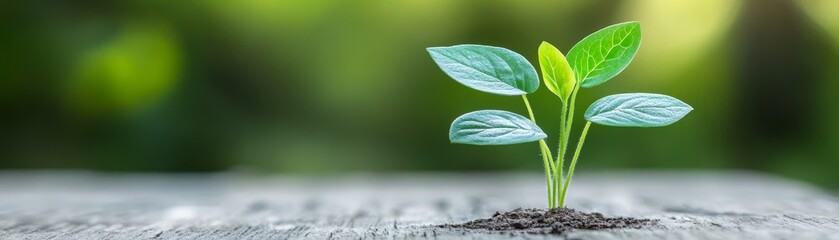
<point x="690" y="205"/>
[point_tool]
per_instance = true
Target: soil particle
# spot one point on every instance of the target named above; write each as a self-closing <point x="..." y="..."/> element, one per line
<point x="554" y="221"/>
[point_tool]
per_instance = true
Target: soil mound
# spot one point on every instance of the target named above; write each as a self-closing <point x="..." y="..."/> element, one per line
<point x="554" y="221"/>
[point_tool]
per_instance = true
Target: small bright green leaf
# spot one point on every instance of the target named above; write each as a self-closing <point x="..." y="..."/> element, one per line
<point x="557" y="74"/>
<point x="494" y="127"/>
<point x="637" y="110"/>
<point x="605" y="53"/>
<point x="486" y="68"/>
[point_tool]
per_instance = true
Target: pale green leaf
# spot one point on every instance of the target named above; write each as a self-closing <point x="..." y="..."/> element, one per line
<point x="637" y="110"/>
<point x="486" y="68"/>
<point x="557" y="74"/>
<point x="605" y="53"/>
<point x="494" y="127"/>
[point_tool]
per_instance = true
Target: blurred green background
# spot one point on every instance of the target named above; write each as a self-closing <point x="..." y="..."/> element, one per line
<point x="322" y="86"/>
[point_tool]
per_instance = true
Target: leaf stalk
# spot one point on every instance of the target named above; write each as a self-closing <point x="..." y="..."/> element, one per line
<point x="547" y="160"/>
<point x="573" y="163"/>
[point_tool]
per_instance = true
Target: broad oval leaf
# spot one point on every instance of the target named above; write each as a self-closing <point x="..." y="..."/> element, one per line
<point x="605" y="53"/>
<point x="557" y="74"/>
<point x="486" y="68"/>
<point x="494" y="127"/>
<point x="637" y="110"/>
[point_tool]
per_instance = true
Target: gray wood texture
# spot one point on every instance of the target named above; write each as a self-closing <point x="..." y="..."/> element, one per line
<point x="690" y="205"/>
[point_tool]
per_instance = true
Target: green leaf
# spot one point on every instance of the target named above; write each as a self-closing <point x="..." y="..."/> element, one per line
<point x="557" y="74"/>
<point x="637" y="110"/>
<point x="605" y="53"/>
<point x="494" y="127"/>
<point x="486" y="68"/>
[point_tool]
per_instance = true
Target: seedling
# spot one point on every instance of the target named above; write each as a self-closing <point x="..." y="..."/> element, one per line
<point x="591" y="62"/>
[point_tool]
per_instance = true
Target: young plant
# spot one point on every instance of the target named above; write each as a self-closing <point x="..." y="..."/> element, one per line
<point x="591" y="62"/>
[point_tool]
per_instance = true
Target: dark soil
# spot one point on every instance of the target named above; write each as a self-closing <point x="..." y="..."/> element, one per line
<point x="554" y="221"/>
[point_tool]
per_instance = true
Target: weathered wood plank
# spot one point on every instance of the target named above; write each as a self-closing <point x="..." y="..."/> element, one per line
<point x="690" y="205"/>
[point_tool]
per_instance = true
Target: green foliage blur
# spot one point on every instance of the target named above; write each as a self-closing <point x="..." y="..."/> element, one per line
<point x="323" y="86"/>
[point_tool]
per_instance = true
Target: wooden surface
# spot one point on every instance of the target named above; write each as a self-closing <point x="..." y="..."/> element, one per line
<point x="690" y="205"/>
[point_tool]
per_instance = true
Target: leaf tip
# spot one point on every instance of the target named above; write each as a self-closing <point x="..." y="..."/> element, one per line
<point x="631" y="23"/>
<point x="636" y="26"/>
<point x="546" y="46"/>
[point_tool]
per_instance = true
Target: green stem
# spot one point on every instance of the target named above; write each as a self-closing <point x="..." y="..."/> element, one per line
<point x="529" y="110"/>
<point x="573" y="164"/>
<point x="547" y="158"/>
<point x="552" y="193"/>
<point x="570" y="118"/>
<point x="566" y="118"/>
<point x="560" y="157"/>
<point x="533" y="118"/>
<point x="557" y="176"/>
